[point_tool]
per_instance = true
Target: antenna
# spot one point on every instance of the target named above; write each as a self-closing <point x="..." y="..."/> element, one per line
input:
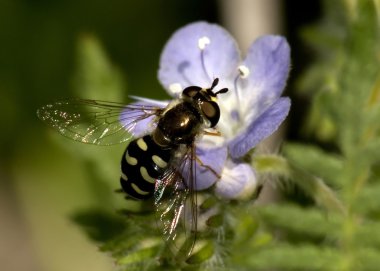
<point x="223" y="90"/>
<point x="214" y="83"/>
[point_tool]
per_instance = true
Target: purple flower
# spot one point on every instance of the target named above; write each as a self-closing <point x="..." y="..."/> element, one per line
<point x="252" y="109"/>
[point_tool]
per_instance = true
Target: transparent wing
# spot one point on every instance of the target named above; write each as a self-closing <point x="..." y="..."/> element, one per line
<point x="176" y="202"/>
<point x="97" y="122"/>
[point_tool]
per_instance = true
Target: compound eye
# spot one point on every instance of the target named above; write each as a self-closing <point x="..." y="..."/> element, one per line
<point x="191" y="91"/>
<point x="211" y="111"/>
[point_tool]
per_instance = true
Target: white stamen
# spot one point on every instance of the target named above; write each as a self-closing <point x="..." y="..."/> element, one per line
<point x="203" y="42"/>
<point x="175" y="88"/>
<point x="244" y="71"/>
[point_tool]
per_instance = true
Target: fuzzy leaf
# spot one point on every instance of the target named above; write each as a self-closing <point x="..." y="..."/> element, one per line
<point x="305" y="221"/>
<point x="204" y="253"/>
<point x="313" y="186"/>
<point x="100" y="226"/>
<point x="307" y="156"/>
<point x="303" y="257"/>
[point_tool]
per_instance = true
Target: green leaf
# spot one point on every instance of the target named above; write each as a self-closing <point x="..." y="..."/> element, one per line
<point x="304" y="221"/>
<point x="312" y="185"/>
<point x="368" y="259"/>
<point x="369" y="200"/>
<point x="368" y="234"/>
<point x="262" y="240"/>
<point x="215" y="221"/>
<point x="302" y="257"/>
<point x="245" y="227"/>
<point x="204" y="251"/>
<point x="139" y="256"/>
<point x="308" y="156"/>
<point x="99" y="225"/>
<point x="208" y="203"/>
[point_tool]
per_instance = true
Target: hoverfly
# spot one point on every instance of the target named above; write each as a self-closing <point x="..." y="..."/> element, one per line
<point x="161" y="162"/>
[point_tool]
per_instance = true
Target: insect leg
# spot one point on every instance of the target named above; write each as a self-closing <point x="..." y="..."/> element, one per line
<point x="207" y="167"/>
<point x="217" y="133"/>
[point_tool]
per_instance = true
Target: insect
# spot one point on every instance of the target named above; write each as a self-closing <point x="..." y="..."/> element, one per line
<point x="159" y="163"/>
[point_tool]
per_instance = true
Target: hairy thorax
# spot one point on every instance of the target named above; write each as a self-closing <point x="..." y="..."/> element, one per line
<point x="179" y="125"/>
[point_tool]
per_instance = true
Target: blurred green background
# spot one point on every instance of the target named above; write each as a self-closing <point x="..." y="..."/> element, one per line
<point x="51" y="50"/>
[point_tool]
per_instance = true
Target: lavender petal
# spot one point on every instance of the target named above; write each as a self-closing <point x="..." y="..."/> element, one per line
<point x="211" y="159"/>
<point x="129" y="117"/>
<point x="181" y="60"/>
<point x="260" y="128"/>
<point x="237" y="181"/>
<point x="268" y="62"/>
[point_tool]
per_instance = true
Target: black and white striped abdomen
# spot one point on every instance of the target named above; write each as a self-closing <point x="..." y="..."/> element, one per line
<point x="142" y="163"/>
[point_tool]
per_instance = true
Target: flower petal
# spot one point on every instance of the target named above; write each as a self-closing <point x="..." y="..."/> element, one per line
<point x="215" y="159"/>
<point x="237" y="181"/>
<point x="260" y="128"/>
<point x="182" y="63"/>
<point x="268" y="63"/>
<point x="150" y="102"/>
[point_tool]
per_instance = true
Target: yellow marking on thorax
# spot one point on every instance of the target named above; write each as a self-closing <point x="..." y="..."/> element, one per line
<point x="145" y="175"/>
<point x="130" y="160"/>
<point x="138" y="190"/>
<point x="141" y="143"/>
<point x="159" y="162"/>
